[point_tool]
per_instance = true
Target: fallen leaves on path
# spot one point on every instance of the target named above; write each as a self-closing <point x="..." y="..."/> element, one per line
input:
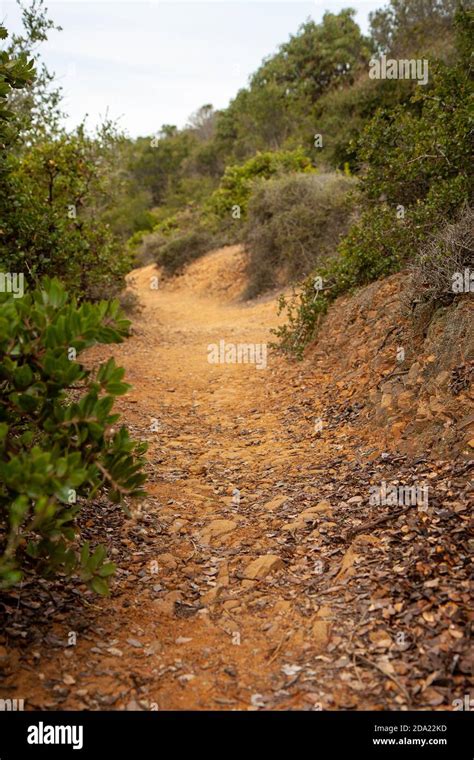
<point x="258" y="573"/>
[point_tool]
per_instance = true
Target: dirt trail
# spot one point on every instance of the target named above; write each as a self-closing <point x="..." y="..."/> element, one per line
<point x="236" y="587"/>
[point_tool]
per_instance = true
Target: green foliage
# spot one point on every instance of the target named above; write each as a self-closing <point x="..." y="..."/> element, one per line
<point x="176" y="234"/>
<point x="15" y="73"/>
<point x="237" y="183"/>
<point x="342" y="114"/>
<point x="174" y="254"/>
<point x="37" y="106"/>
<point x="58" y="445"/>
<point x="157" y="164"/>
<point x="317" y="57"/>
<point x="185" y="235"/>
<point x="303" y="310"/>
<point x="56" y="226"/>
<point x="316" y="83"/>
<point x="416" y="179"/>
<point x="408" y="25"/>
<point x="277" y="106"/>
<point x="294" y="223"/>
<point x="130" y="212"/>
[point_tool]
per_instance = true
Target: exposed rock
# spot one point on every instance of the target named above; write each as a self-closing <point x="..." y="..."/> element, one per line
<point x="216" y="529"/>
<point x="273" y="505"/>
<point x="167" y="560"/>
<point x="166" y="605"/>
<point x="261" y="567"/>
<point x="321" y="628"/>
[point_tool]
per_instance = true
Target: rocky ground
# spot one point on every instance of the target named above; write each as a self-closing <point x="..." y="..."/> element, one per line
<point x="262" y="571"/>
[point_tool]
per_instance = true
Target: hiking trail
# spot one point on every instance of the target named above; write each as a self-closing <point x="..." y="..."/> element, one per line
<point x="239" y="585"/>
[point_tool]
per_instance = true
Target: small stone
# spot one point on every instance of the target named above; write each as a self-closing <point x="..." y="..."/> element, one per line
<point x="135" y="643"/>
<point x="273" y="505"/>
<point x="216" y="529"/>
<point x="168" y="561"/>
<point x="261" y="567"/>
<point x="132" y="706"/>
<point x="166" y="605"/>
<point x="186" y="678"/>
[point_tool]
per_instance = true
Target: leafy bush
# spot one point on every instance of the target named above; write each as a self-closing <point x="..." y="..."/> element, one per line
<point x="174" y="254"/>
<point x="303" y="310"/>
<point x="237" y="183"/>
<point x="342" y="114"/>
<point x="57" y="445"/>
<point x="176" y="235"/>
<point x="181" y="237"/>
<point x="294" y="223"/>
<point x="15" y="74"/>
<point x="55" y="227"/>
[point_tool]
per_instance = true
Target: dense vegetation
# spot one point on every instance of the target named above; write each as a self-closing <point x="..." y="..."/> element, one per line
<point x="57" y="446"/>
<point x="330" y="179"/>
<point x="416" y="179"/>
<point x="405" y="145"/>
<point x="58" y="449"/>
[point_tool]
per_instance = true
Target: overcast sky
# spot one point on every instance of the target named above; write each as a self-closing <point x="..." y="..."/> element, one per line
<point x="153" y="63"/>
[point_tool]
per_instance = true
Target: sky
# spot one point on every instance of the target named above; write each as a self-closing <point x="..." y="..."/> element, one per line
<point x="156" y="62"/>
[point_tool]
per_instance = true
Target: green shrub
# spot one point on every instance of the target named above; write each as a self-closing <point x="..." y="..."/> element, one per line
<point x="174" y="254"/>
<point x="58" y="448"/>
<point x="174" y="236"/>
<point x="15" y="74"/>
<point x="303" y="310"/>
<point x="56" y="225"/>
<point x="294" y="222"/>
<point x="237" y="183"/>
<point x="342" y="114"/>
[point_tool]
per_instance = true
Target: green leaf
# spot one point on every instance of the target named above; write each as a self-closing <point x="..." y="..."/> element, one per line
<point x="100" y="586"/>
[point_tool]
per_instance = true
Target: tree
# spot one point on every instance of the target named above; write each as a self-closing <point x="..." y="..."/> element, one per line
<point x="158" y="161"/>
<point x="202" y="122"/>
<point x="277" y="109"/>
<point x="37" y="106"/>
<point x="62" y="188"/>
<point x="405" y="25"/>
<point x="15" y="74"/>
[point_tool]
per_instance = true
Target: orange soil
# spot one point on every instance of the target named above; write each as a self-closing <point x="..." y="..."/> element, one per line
<point x="254" y="642"/>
